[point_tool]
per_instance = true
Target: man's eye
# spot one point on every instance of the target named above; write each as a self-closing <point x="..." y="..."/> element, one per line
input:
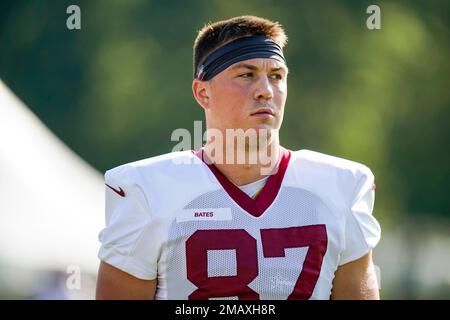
<point x="246" y="75"/>
<point x="276" y="76"/>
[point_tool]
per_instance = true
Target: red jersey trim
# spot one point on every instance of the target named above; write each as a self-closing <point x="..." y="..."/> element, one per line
<point x="256" y="207"/>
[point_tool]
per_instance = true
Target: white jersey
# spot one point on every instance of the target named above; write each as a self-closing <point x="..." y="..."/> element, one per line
<point x="177" y="219"/>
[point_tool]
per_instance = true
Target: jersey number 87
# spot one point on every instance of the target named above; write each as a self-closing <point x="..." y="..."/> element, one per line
<point x="274" y="241"/>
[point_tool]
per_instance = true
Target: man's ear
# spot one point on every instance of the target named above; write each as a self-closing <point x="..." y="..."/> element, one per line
<point x="200" y="89"/>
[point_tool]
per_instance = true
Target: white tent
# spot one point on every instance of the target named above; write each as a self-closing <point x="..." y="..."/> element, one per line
<point x="51" y="201"/>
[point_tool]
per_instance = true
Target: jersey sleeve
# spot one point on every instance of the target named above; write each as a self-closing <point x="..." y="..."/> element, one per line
<point x="362" y="230"/>
<point x="124" y="242"/>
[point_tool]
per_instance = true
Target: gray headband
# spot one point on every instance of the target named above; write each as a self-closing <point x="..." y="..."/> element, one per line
<point x="238" y="50"/>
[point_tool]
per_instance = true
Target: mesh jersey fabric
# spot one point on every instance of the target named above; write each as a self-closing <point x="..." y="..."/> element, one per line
<point x="178" y="223"/>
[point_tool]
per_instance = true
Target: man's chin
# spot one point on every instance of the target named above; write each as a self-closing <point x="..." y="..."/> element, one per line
<point x="261" y="127"/>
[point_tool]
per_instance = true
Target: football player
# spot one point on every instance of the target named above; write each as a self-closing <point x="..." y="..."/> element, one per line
<point x="186" y="225"/>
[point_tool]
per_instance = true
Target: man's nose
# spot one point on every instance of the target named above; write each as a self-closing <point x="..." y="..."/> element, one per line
<point x="264" y="89"/>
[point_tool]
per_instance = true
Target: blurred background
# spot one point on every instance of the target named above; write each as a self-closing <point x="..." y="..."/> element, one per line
<point x="74" y="103"/>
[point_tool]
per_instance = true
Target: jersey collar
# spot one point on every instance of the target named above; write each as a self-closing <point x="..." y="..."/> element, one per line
<point x="256" y="207"/>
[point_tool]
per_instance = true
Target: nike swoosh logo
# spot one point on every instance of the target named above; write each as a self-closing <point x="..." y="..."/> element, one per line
<point x="120" y="192"/>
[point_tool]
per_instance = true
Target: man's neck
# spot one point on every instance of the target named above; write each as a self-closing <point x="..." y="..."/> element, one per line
<point x="245" y="173"/>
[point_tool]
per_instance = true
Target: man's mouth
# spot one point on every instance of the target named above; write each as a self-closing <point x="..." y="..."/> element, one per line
<point x="264" y="113"/>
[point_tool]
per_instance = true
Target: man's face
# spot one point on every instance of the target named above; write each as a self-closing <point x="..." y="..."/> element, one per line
<point x="248" y="94"/>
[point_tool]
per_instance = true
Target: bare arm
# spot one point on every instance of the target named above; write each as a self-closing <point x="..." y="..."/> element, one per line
<point x="356" y="280"/>
<point x="114" y="284"/>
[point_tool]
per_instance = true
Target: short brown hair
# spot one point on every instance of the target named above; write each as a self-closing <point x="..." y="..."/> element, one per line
<point x="217" y="34"/>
